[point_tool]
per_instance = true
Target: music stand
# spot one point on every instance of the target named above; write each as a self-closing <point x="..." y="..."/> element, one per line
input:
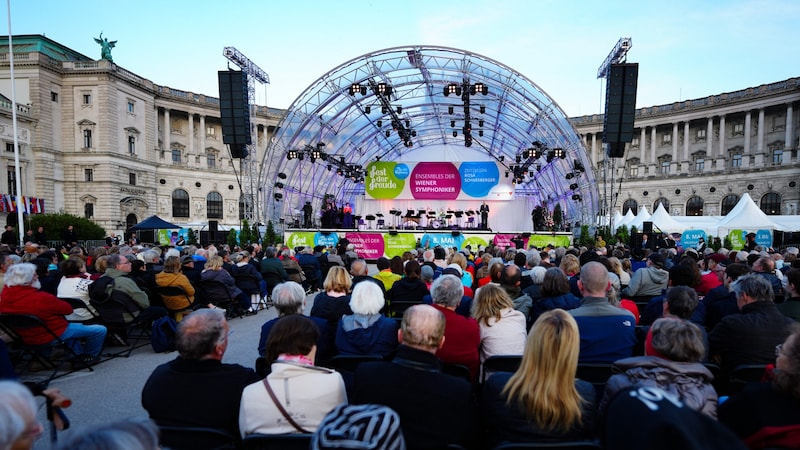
<point x="370" y="218"/>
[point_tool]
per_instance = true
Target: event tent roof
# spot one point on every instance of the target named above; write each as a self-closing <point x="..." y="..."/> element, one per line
<point x="746" y="215"/>
<point x="154" y="223"/>
<point x="664" y="222"/>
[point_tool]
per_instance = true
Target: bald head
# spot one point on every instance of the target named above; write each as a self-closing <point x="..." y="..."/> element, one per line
<point x="594" y="279"/>
<point x="358" y="268"/>
<point x="422" y="328"/>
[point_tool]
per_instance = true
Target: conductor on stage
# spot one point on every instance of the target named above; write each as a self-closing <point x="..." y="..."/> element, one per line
<point x="484" y="216"/>
<point x="307" y="210"/>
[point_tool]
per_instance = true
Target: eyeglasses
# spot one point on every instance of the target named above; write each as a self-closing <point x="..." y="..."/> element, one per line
<point x="778" y="350"/>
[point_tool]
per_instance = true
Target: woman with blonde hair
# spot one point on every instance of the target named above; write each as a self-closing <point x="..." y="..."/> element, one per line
<point x="542" y="400"/>
<point x="466" y="276"/>
<point x="213" y="271"/>
<point x="503" y="328"/>
<point x="333" y="303"/>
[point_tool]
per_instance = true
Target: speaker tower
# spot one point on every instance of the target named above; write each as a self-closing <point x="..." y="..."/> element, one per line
<point x="620" y="107"/>
<point x="234" y="109"/>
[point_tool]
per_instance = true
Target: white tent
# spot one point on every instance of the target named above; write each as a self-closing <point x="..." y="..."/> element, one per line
<point x="629" y="216"/>
<point x="618" y="218"/>
<point x="746" y="215"/>
<point x="640" y="218"/>
<point x="664" y="222"/>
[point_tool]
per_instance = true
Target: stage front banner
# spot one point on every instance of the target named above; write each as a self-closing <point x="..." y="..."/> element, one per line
<point x="373" y="245"/>
<point x="436" y="181"/>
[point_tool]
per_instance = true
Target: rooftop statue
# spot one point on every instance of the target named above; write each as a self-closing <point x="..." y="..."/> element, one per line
<point x="105" y="53"/>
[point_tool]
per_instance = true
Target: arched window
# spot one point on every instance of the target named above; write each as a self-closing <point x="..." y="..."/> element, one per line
<point x="771" y="204"/>
<point x="245" y="205"/>
<point x="214" y="205"/>
<point x="628" y="205"/>
<point x="130" y="220"/>
<point x="180" y="203"/>
<point x="728" y="203"/>
<point x="661" y="201"/>
<point x="694" y="206"/>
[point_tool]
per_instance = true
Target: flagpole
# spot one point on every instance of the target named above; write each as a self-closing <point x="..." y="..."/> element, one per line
<point x="17" y="172"/>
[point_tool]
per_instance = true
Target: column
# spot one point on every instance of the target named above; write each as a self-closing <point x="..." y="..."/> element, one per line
<point x="166" y="143"/>
<point x="675" y="163"/>
<point x="710" y="138"/>
<point x="191" y="134"/>
<point x="760" y="135"/>
<point x="789" y="140"/>
<point x="642" y="146"/>
<point x="747" y="127"/>
<point x="686" y="141"/>
<point x="722" y="150"/>
<point x="594" y="149"/>
<point x="652" y="145"/>
<point x="202" y="134"/>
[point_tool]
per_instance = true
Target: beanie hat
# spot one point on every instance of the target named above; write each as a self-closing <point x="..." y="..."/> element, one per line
<point x="663" y="422"/>
<point x="367" y="427"/>
<point x="657" y="260"/>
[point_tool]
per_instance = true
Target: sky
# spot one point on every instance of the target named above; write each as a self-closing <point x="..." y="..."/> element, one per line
<point x="686" y="49"/>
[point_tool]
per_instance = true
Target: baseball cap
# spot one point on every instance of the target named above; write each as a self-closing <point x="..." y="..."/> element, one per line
<point x="452" y="269"/>
<point x="186" y="259"/>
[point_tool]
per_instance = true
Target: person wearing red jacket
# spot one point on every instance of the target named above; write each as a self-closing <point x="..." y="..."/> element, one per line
<point x="21" y="295"/>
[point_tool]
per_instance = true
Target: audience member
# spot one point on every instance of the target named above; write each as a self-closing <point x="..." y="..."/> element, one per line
<point x="462" y="334"/>
<point x="542" y="400"/>
<point x="554" y="293"/>
<point x="607" y="332"/>
<point x="648" y="281"/>
<point x="172" y="276"/>
<point x="408" y="289"/>
<point x="385" y="274"/>
<point x="19" y="427"/>
<point x="296" y="395"/>
<point x="75" y="284"/>
<point x="721" y="301"/>
<point x="214" y="272"/>
<point x="509" y="280"/>
<point x="751" y="336"/>
<point x="373" y="427"/>
<point x="290" y="298"/>
<point x="197" y="389"/>
<point x="366" y="331"/>
<point x="131" y="434"/>
<point x="502" y="328"/>
<point x="360" y="272"/>
<point x="791" y="306"/>
<point x="435" y="409"/>
<point x="767" y="415"/>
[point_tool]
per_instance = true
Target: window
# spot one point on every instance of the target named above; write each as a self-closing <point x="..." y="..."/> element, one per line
<point x="211" y="131"/>
<point x="214" y="205"/>
<point x="694" y="206"/>
<point x="87" y="138"/>
<point x="701" y="134"/>
<point x="736" y="161"/>
<point x="87" y="99"/>
<point x="54" y="97"/>
<point x="633" y="171"/>
<point x="635" y="142"/>
<point x="176" y="155"/>
<point x="132" y="179"/>
<point x="180" y="203"/>
<point x="88" y="210"/>
<point x="777" y="157"/>
<point x="131" y="107"/>
<point x="131" y="145"/>
<point x="211" y="159"/>
<point x="738" y="129"/>
<point x="88" y="175"/>
<point x="728" y="203"/>
<point x="661" y="201"/>
<point x="630" y="204"/>
<point x="12" y="180"/>
<point x="699" y="161"/>
<point x="666" y="139"/>
<point x="771" y="204"/>
<point x="10" y="147"/>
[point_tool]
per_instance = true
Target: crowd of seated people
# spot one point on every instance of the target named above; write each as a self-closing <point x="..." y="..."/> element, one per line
<point x="518" y="302"/>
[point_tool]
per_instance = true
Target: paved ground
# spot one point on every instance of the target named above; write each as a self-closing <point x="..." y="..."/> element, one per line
<point x="112" y="392"/>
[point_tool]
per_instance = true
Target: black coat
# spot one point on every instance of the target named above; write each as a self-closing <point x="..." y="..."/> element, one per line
<point x="435" y="409"/>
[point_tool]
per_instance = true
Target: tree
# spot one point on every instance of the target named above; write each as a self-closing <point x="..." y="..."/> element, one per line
<point x="232" y="242"/>
<point x="623" y="235"/>
<point x="585" y="239"/>
<point x="255" y="235"/>
<point x="270" y="237"/>
<point x="55" y="224"/>
<point x="558" y="216"/>
<point x="191" y="237"/>
<point x="244" y="235"/>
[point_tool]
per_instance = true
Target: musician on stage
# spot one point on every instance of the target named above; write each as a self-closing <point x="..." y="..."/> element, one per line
<point x="484" y="210"/>
<point x="347" y="221"/>
<point x="307" y="211"/>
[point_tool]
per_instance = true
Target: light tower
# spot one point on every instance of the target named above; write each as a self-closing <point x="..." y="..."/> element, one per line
<point x="247" y="184"/>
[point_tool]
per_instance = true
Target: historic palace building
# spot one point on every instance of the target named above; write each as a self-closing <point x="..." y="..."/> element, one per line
<point x="101" y="142"/>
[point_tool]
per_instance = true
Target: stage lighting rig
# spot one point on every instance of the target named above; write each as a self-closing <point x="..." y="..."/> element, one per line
<point x="465" y="90"/>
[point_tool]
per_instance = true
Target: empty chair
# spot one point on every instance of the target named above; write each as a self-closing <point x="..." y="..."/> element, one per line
<point x="300" y="441"/>
<point x="196" y="438"/>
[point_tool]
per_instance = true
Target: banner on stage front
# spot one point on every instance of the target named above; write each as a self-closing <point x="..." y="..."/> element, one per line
<point x="436" y="181"/>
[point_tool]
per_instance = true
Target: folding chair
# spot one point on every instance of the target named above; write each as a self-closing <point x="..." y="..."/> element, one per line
<point x="78" y="304"/>
<point x="347" y="365"/>
<point x="295" y="441"/>
<point x="196" y="438"/>
<point x="596" y="374"/>
<point x="250" y="285"/>
<point x="743" y="374"/>
<point x="42" y="353"/>
<point x="216" y="293"/>
<point x="168" y="297"/>
<point x="122" y="316"/>
<point x="457" y="370"/>
<point x="500" y="363"/>
<point x="312" y="280"/>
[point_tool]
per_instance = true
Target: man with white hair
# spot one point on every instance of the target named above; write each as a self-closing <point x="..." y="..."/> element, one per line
<point x="462" y="334"/>
<point x="6" y="261"/>
<point x="22" y="296"/>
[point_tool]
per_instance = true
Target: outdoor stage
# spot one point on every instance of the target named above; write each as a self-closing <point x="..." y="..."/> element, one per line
<point x="373" y="243"/>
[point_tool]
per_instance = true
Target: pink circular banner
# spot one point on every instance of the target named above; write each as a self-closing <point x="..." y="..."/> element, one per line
<point x="435" y="181"/>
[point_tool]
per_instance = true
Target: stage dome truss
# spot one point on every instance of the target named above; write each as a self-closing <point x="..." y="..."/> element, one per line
<point x="354" y="130"/>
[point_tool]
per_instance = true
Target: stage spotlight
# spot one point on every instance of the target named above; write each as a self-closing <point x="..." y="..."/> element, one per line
<point x="330" y="167"/>
<point x="384" y="89"/>
<point x="379" y="123"/>
<point x="399" y="110"/>
<point x="479" y="87"/>
<point x="354" y="88"/>
<point x="384" y="110"/>
<point x="278" y="196"/>
<point x="388" y="133"/>
<point x="518" y="159"/>
<point x="570" y="176"/>
<point x="480" y="123"/>
<point x="409" y="144"/>
<point x="279" y="185"/>
<point x="449" y="110"/>
<point x="480" y="133"/>
<point x="292" y="154"/>
<point x="506" y="174"/>
<point x="455" y="133"/>
<point x="282" y="176"/>
<point x="408" y="124"/>
<point x="526" y="154"/>
<point x="368" y="109"/>
<point x="573" y="186"/>
<point x="482" y="109"/>
<point x="452" y="124"/>
<point x="531" y="174"/>
<point x="413" y="133"/>
<point x="501" y="158"/>
<point x="576" y="197"/>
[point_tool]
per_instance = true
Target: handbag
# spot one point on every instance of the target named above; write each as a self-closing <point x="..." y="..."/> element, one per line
<point x="282" y="410"/>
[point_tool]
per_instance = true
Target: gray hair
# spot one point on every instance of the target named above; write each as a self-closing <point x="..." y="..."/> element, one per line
<point x="9" y="260"/>
<point x="238" y="257"/>
<point x="199" y="332"/>
<point x="114" y="260"/>
<point x="151" y="256"/>
<point x="20" y="274"/>
<point x="270" y="252"/>
<point x="135" y="434"/>
<point x="289" y="298"/>
<point x="533" y="259"/>
<point x="367" y="298"/>
<point x="678" y="340"/>
<point x="17" y="408"/>
<point x="755" y="286"/>
<point x="447" y="290"/>
<point x="172" y="252"/>
<point x="537" y="274"/>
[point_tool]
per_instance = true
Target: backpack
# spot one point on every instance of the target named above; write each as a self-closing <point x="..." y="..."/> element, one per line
<point x="162" y="338"/>
<point x="101" y="289"/>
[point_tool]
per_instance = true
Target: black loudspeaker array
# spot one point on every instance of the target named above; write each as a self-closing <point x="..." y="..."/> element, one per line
<point x="620" y="107"/>
<point x="647" y="228"/>
<point x="234" y="109"/>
